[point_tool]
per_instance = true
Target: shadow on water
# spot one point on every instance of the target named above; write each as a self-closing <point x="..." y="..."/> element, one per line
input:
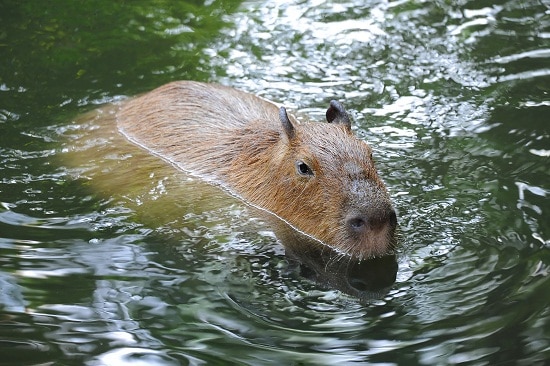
<point x="367" y="280"/>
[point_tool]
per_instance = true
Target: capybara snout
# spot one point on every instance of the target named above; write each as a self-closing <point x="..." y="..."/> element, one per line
<point x="360" y="223"/>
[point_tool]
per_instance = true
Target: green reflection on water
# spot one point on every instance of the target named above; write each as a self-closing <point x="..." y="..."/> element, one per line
<point x="453" y="97"/>
<point x="56" y="47"/>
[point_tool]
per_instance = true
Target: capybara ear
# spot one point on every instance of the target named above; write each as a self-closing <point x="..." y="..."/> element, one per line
<point x="336" y="113"/>
<point x="288" y="127"/>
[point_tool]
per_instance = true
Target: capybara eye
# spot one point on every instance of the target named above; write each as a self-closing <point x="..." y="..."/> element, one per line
<point x="303" y="168"/>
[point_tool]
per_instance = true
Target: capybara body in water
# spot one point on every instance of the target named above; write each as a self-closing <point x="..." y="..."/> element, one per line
<point x="317" y="177"/>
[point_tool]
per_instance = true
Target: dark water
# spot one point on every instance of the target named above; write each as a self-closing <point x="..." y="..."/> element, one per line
<point x="453" y="96"/>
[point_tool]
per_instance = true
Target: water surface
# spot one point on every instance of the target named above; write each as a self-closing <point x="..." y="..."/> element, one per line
<point x="452" y="97"/>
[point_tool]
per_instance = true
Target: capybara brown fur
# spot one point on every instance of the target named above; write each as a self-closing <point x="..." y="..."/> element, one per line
<point x="317" y="177"/>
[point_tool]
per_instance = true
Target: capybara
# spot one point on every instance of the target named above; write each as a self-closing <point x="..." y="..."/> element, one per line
<point x="317" y="177"/>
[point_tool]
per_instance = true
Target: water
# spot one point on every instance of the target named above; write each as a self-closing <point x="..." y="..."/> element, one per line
<point x="453" y="97"/>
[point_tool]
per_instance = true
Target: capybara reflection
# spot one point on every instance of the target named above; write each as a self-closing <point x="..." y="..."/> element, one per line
<point x="317" y="177"/>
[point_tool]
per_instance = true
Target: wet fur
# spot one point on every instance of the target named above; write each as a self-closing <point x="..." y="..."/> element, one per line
<point x="237" y="140"/>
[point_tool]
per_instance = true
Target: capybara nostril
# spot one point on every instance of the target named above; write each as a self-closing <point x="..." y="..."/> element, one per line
<point x="357" y="224"/>
<point x="375" y="219"/>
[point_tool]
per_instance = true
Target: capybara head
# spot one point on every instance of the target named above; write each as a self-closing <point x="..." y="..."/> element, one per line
<point x="321" y="179"/>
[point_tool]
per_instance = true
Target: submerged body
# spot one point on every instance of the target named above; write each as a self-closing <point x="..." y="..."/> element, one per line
<point x="317" y="177"/>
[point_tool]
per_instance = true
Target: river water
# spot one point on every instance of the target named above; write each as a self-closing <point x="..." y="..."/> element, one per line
<point x="107" y="260"/>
